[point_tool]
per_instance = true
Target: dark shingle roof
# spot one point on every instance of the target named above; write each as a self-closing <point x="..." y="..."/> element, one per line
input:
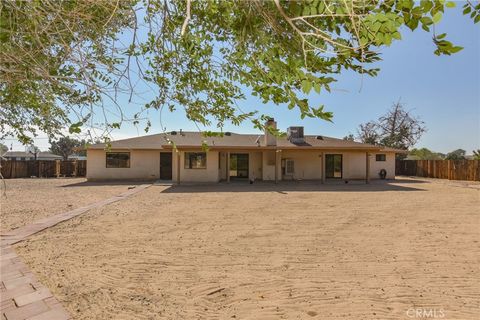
<point x="231" y="140"/>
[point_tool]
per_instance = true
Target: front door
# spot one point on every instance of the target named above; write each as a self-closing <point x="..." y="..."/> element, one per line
<point x="239" y="165"/>
<point x="165" y="165"/>
<point x="333" y="166"/>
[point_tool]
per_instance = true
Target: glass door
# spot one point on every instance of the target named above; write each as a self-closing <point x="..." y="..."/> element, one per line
<point x="165" y="166"/>
<point x="239" y="165"/>
<point x="333" y="166"/>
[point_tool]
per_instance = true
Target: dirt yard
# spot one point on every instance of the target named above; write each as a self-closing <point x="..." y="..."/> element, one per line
<point x="293" y="251"/>
<point x="28" y="200"/>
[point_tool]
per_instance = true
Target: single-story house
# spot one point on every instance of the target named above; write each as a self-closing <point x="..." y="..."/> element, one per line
<point x="181" y="156"/>
<point x="22" y="155"/>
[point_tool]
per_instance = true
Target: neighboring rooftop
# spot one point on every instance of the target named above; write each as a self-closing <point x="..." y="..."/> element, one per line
<point x="23" y="154"/>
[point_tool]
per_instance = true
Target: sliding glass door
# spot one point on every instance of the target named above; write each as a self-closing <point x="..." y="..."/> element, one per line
<point x="333" y="166"/>
<point x="239" y="165"/>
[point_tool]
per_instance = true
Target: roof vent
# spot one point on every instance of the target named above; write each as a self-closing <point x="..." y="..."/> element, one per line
<point x="173" y="133"/>
<point x="295" y="135"/>
<point x="228" y="133"/>
<point x="319" y="138"/>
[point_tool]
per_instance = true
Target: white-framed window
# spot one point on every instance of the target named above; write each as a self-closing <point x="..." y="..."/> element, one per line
<point x="289" y="166"/>
<point x="380" y="157"/>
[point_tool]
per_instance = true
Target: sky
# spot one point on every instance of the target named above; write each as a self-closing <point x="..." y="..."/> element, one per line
<point x="443" y="91"/>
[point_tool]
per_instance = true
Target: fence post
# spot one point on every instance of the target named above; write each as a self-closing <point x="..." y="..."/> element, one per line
<point x="449" y="169"/>
<point x="12" y="175"/>
<point x="75" y="168"/>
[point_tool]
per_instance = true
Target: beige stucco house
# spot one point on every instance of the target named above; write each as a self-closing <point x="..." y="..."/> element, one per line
<point x="180" y="157"/>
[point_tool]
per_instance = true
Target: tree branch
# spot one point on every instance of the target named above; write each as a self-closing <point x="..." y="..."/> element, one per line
<point x="187" y="18"/>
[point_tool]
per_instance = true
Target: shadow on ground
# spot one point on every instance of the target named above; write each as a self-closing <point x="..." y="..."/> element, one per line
<point x="399" y="184"/>
<point x="293" y="186"/>
<point x="106" y="183"/>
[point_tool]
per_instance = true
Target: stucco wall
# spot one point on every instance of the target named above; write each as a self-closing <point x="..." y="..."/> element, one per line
<point x="268" y="165"/>
<point x="210" y="174"/>
<point x="307" y="164"/>
<point x="223" y="166"/>
<point x="354" y="165"/>
<point x="144" y="164"/>
<point x="255" y="165"/>
<point x="388" y="165"/>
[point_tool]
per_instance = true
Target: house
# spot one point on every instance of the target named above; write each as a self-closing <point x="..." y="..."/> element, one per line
<point x="22" y="155"/>
<point x="179" y="156"/>
<point x="76" y="157"/>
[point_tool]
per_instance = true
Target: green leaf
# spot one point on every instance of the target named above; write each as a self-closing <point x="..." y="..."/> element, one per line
<point x="363" y="41"/>
<point x="376" y="26"/>
<point x="437" y="17"/>
<point x="441" y="36"/>
<point x="426" y="20"/>
<point x="75" y="127"/>
<point x="456" y="49"/>
<point x="450" y="4"/>
<point x="306" y="86"/>
<point x="397" y="35"/>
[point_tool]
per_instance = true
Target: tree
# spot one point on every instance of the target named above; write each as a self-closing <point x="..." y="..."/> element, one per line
<point x="398" y="129"/>
<point x="349" y="137"/>
<point x="476" y="154"/>
<point x="66" y="146"/>
<point x="458" y="154"/>
<point x="33" y="150"/>
<point x="196" y="55"/>
<point x="3" y="149"/>
<point x="368" y="133"/>
<point x="425" y="154"/>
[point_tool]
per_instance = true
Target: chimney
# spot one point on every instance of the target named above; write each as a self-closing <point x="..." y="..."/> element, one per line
<point x="270" y="139"/>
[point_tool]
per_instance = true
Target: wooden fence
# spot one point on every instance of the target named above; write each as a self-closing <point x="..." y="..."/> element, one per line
<point x="441" y="169"/>
<point x="43" y="168"/>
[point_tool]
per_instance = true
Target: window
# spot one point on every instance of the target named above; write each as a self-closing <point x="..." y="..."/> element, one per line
<point x="380" y="157"/>
<point x="289" y="167"/>
<point x="195" y="160"/>
<point x="118" y="159"/>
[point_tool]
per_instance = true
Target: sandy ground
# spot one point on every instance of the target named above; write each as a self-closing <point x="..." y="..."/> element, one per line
<point x="28" y="200"/>
<point x="293" y="251"/>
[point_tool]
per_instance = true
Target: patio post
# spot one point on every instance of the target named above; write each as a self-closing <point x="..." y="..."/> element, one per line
<point x="322" y="166"/>
<point x="177" y="153"/>
<point x="228" y="167"/>
<point x="277" y="154"/>
<point x="367" y="168"/>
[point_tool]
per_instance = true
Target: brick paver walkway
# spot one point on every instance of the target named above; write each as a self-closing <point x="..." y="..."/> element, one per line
<point x="22" y="296"/>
